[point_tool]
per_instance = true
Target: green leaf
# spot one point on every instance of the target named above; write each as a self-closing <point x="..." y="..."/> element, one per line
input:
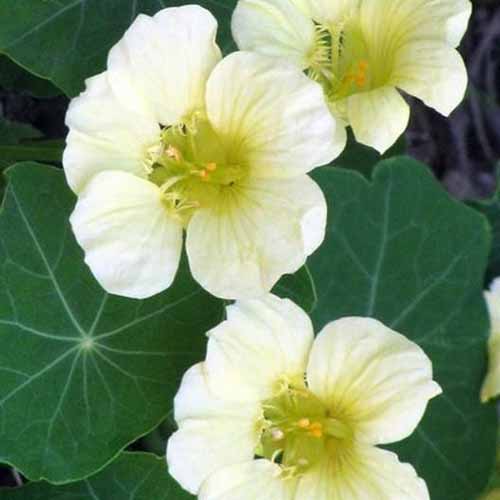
<point x="357" y="156"/>
<point x="16" y="78"/>
<point x="491" y="209"/>
<point x="11" y="134"/>
<point x="67" y="41"/>
<point x="82" y="374"/>
<point x="401" y="250"/>
<point x="298" y="287"/>
<point x="133" y="476"/>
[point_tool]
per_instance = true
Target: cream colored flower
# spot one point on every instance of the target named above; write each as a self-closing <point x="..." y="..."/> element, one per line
<point x="310" y="410"/>
<point x="362" y="51"/>
<point x="492" y="495"/>
<point x="491" y="385"/>
<point x="171" y="138"/>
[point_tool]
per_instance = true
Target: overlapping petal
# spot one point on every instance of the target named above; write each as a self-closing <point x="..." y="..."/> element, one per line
<point x="375" y="378"/>
<point x="271" y="114"/>
<point x="163" y="62"/>
<point x="259" y="231"/>
<point x="369" y="473"/>
<point x="259" y="479"/>
<point x="378" y="117"/>
<point x="276" y="28"/>
<point x="105" y="136"/>
<point x="131" y="244"/>
<point x="209" y="429"/>
<point x="261" y="343"/>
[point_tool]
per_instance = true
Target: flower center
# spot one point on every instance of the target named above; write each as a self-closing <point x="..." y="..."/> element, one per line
<point x="299" y="430"/>
<point x="192" y="167"/>
<point x="344" y="64"/>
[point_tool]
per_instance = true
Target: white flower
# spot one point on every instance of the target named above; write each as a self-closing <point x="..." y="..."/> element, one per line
<point x="171" y="138"/>
<point x="491" y="385"/>
<point x="310" y="410"/>
<point x="362" y="51"/>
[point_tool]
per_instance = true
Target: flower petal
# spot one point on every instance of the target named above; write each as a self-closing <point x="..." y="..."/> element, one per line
<point x="275" y="28"/>
<point x="378" y="379"/>
<point x="262" y="342"/>
<point x="163" y="62"/>
<point x="378" y="117"/>
<point x="131" y="245"/>
<point x="248" y="481"/>
<point x="272" y="115"/>
<point x="432" y="72"/>
<point x="213" y="433"/>
<point x="410" y="20"/>
<point x="105" y="136"/>
<point x="260" y="231"/>
<point x="491" y="385"/>
<point x="369" y="473"/>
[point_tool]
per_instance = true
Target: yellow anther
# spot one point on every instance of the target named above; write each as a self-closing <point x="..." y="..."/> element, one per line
<point x="304" y="423"/>
<point x="316" y="430"/>
<point x="204" y="175"/>
<point x="211" y="166"/>
<point x="363" y="65"/>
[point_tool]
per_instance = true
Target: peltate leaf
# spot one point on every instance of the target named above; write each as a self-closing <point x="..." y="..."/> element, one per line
<point x="133" y="476"/>
<point x="67" y="41"/>
<point x="82" y="373"/>
<point x="401" y="250"/>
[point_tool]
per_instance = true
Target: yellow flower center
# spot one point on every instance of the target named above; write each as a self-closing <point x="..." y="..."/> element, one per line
<point x="344" y="63"/>
<point x="192" y="167"/>
<point x="300" y="429"/>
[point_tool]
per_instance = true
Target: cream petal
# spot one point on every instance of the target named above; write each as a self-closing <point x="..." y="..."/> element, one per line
<point x="105" y="136"/>
<point x="131" y="245"/>
<point x="409" y="20"/>
<point x="491" y="385"/>
<point x="376" y="378"/>
<point x="378" y="117"/>
<point x="258" y="479"/>
<point x="275" y="28"/>
<point x="213" y="433"/>
<point x="260" y="230"/>
<point x="261" y="343"/>
<point x="163" y="62"/>
<point x="433" y="72"/>
<point x="367" y="474"/>
<point x="328" y="12"/>
<point x="272" y="115"/>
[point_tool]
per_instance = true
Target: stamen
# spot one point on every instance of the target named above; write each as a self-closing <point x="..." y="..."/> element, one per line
<point x="304" y="423"/>
<point x="211" y="166"/>
<point x="277" y="434"/>
<point x="173" y="152"/>
<point x="316" y="429"/>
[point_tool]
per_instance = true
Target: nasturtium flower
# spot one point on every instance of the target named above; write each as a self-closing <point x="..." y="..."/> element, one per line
<point x="172" y="138"/>
<point x="273" y="413"/>
<point x="362" y="51"/>
<point x="491" y="385"/>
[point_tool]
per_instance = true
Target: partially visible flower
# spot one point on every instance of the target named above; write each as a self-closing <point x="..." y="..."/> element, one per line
<point x="362" y="51"/>
<point x="310" y="410"/>
<point x="491" y="385"/>
<point x="492" y="495"/>
<point x="171" y="138"/>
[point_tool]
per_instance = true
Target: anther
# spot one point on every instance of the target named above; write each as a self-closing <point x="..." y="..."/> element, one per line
<point x="303" y="462"/>
<point x="277" y="434"/>
<point x="304" y="423"/>
<point x="211" y="166"/>
<point x="173" y="152"/>
<point x="204" y="175"/>
<point x="316" y="429"/>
